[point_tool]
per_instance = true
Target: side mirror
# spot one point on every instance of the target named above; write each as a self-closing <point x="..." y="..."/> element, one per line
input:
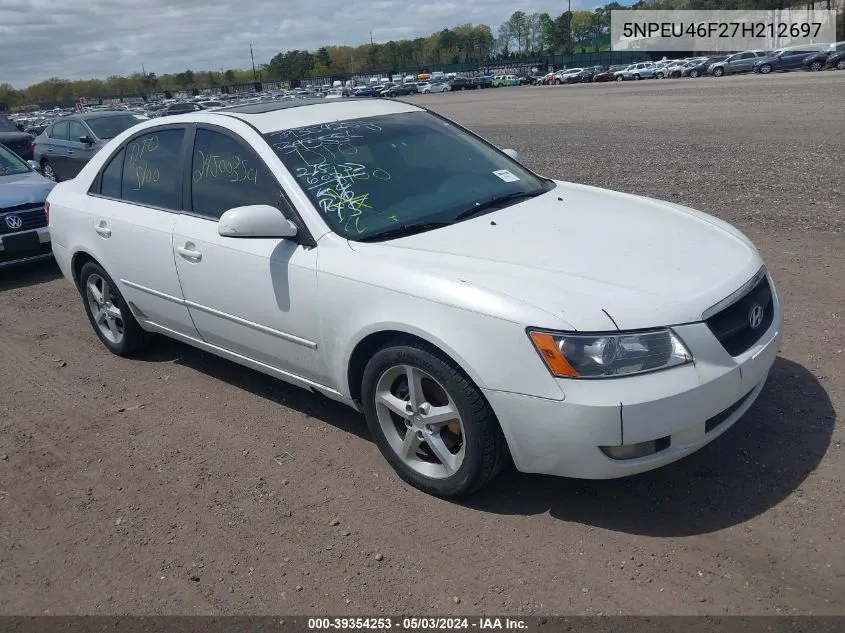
<point x="86" y="140"/>
<point x="256" y="220"/>
<point x="512" y="153"/>
<point x="35" y="166"/>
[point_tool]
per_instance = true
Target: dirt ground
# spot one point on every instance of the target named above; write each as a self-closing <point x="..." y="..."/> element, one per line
<point x="151" y="485"/>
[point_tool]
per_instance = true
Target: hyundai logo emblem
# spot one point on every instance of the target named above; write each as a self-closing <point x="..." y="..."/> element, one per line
<point x="755" y="316"/>
<point x="14" y="222"/>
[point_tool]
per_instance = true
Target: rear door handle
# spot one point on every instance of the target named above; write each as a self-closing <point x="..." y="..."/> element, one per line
<point x="103" y="229"/>
<point x="189" y="253"/>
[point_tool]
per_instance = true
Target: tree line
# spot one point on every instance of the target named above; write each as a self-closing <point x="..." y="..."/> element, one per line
<point x="521" y="36"/>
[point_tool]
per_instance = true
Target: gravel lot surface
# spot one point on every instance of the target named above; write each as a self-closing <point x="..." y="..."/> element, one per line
<point x="150" y="485"/>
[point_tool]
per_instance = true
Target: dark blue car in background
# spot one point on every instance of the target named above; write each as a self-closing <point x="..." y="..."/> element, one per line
<point x="24" y="236"/>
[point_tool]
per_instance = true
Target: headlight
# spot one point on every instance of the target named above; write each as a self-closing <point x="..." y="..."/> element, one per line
<point x="608" y="355"/>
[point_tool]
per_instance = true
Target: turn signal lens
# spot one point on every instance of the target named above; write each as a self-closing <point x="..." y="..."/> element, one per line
<point x="547" y="348"/>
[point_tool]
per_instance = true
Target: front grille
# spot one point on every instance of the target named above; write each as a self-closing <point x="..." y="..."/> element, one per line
<point x="32" y="217"/>
<point x="732" y="326"/>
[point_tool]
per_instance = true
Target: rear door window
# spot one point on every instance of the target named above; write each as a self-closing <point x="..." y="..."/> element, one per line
<point x="152" y="169"/>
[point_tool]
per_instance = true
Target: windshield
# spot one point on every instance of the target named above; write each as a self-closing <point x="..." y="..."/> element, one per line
<point x="371" y="175"/>
<point x="7" y="125"/>
<point x="110" y="126"/>
<point x="11" y="164"/>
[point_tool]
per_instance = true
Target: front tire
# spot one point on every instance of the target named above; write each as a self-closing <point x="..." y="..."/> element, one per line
<point x="816" y="66"/>
<point x="840" y="65"/>
<point x="48" y="172"/>
<point x="693" y="73"/>
<point x="718" y="71"/>
<point x="765" y="69"/>
<point x="112" y="320"/>
<point x="430" y="421"/>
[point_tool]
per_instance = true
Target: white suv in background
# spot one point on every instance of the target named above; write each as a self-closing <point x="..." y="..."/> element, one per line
<point x="640" y="70"/>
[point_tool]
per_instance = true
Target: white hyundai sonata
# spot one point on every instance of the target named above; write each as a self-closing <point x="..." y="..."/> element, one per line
<point x="384" y="256"/>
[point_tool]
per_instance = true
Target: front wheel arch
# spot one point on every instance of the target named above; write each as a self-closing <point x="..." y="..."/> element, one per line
<point x="372" y="342"/>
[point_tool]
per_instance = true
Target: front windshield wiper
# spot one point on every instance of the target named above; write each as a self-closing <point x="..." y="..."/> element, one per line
<point x="480" y="207"/>
<point x="403" y="231"/>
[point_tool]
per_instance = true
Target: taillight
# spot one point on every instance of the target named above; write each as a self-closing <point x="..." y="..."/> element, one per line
<point x="33" y="148"/>
<point x="47" y="211"/>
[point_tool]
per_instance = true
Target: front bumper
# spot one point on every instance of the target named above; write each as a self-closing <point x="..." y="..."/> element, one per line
<point x="682" y="408"/>
<point x="42" y="251"/>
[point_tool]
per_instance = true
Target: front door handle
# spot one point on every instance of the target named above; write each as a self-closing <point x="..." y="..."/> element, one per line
<point x="103" y="229"/>
<point x="189" y="253"/>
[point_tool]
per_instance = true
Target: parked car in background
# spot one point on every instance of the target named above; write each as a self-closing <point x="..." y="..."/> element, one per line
<point x="737" y="63"/>
<point x="700" y="68"/>
<point x="608" y="74"/>
<point x="836" y="60"/>
<point x="15" y="139"/>
<point x="635" y="72"/>
<point x="587" y="74"/>
<point x="459" y="83"/>
<point x="820" y="60"/>
<point x="435" y="86"/>
<point x="64" y="148"/>
<point x="625" y="363"/>
<point x="482" y="81"/>
<point x="24" y="236"/>
<point x="789" y="59"/>
<point x="182" y="108"/>
<point x="401" y="90"/>
<point x="567" y="76"/>
<point x="365" y="91"/>
<point x="500" y="81"/>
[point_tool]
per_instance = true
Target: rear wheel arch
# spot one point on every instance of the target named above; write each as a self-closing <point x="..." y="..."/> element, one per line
<point x="77" y="261"/>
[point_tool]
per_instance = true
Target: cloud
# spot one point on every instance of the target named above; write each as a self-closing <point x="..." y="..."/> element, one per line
<point x="82" y="39"/>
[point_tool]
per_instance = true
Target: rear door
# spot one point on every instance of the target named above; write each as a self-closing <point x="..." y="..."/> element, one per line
<point x="133" y="208"/>
<point x="56" y="152"/>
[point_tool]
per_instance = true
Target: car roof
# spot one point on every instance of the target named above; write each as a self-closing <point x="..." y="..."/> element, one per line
<point x="95" y="114"/>
<point x="285" y="115"/>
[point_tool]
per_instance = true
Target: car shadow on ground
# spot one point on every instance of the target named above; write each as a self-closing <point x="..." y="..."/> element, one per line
<point x="752" y="467"/>
<point x="23" y="275"/>
<point x="310" y="403"/>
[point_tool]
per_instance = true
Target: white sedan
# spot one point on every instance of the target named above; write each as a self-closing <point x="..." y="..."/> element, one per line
<point x="437" y="86"/>
<point x="383" y="256"/>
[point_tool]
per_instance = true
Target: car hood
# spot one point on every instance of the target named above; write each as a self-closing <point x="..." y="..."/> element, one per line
<point x="28" y="188"/>
<point x="589" y="258"/>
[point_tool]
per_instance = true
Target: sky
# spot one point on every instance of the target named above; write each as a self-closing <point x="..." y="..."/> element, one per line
<point x="82" y="39"/>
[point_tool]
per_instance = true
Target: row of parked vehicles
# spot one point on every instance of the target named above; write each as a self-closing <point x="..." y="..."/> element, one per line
<point x="814" y="57"/>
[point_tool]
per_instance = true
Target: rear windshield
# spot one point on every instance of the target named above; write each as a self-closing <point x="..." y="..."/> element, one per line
<point x="6" y="124"/>
<point x="110" y="126"/>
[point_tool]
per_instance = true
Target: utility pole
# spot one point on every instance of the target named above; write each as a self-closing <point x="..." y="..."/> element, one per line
<point x="371" y="39"/>
<point x="252" y="57"/>
<point x="569" y="46"/>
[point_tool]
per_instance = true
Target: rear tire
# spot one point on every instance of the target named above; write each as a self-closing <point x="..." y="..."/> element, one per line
<point x="472" y="444"/>
<point x="109" y="315"/>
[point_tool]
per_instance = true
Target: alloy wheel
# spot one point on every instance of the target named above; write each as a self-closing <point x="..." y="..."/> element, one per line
<point x="420" y="421"/>
<point x="107" y="316"/>
<point x="48" y="173"/>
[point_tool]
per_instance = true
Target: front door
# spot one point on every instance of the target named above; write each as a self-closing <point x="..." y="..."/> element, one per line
<point x="252" y="296"/>
<point x="77" y="153"/>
